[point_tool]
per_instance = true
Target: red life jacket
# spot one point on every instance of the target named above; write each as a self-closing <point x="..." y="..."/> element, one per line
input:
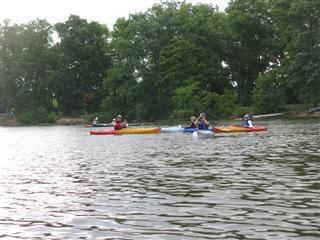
<point x="118" y="125"/>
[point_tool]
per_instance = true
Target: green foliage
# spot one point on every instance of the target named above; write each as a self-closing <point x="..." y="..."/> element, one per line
<point x="25" y="64"/>
<point x="37" y="116"/>
<point x="241" y="110"/>
<point x="186" y="101"/>
<point x="54" y="104"/>
<point x="298" y="26"/>
<point x="82" y="61"/>
<point x="252" y="44"/>
<point x="268" y="94"/>
<point x="191" y="100"/>
<point x="175" y="59"/>
<point x="217" y="105"/>
<point x="227" y="103"/>
<point x="161" y="51"/>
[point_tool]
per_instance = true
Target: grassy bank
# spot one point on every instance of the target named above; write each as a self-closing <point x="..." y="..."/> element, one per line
<point x="7" y="120"/>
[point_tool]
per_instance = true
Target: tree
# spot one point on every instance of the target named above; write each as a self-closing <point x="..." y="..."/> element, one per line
<point x="298" y="24"/>
<point x="34" y="83"/>
<point x="172" y="45"/>
<point x="25" y="65"/>
<point x="10" y="71"/>
<point x="268" y="94"/>
<point x="186" y="101"/>
<point x="252" y="44"/>
<point x="81" y="64"/>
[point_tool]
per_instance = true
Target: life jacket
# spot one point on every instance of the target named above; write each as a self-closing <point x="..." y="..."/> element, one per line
<point x="202" y="126"/>
<point x="245" y="123"/>
<point x="118" y="125"/>
<point x="191" y="125"/>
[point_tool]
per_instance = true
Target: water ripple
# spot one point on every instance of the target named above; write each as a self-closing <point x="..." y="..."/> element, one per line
<point x="60" y="183"/>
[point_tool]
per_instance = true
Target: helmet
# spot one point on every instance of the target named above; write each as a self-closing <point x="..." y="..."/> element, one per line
<point x="119" y="116"/>
<point x="246" y="116"/>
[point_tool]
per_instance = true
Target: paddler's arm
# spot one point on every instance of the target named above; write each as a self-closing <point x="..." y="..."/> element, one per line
<point x="206" y="121"/>
<point x="125" y="123"/>
<point x="197" y="121"/>
<point x="250" y="124"/>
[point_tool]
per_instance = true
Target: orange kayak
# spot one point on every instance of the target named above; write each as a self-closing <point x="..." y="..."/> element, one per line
<point x="235" y="128"/>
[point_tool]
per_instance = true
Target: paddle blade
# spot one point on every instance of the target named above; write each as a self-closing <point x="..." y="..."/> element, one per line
<point x="195" y="135"/>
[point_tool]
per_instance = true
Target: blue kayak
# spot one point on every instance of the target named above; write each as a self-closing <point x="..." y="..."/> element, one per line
<point x="178" y="130"/>
<point x="189" y="130"/>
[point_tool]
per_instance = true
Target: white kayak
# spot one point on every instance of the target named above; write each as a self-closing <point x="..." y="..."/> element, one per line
<point x="172" y="130"/>
<point x="202" y="134"/>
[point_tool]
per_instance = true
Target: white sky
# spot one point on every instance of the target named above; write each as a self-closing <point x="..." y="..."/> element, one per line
<point x="103" y="11"/>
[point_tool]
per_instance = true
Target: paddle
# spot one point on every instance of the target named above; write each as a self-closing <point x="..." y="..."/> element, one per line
<point x="195" y="135"/>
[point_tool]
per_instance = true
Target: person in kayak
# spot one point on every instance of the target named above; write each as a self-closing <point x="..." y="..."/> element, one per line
<point x="202" y="123"/>
<point x="192" y="123"/>
<point x="119" y="123"/>
<point x="247" y="122"/>
<point x="95" y="121"/>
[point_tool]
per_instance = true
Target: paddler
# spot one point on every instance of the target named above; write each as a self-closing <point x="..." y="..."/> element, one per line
<point x="95" y="121"/>
<point x="247" y="122"/>
<point x="119" y="123"/>
<point x="202" y="123"/>
<point x="192" y="122"/>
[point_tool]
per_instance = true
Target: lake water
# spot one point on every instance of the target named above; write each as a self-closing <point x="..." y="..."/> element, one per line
<point x="59" y="182"/>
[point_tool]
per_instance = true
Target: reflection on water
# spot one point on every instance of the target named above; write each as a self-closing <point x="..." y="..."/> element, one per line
<point x="60" y="183"/>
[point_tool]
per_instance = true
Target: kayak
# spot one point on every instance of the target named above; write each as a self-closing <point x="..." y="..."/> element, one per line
<point x="235" y="128"/>
<point x="98" y="125"/>
<point x="109" y="125"/>
<point x="178" y="130"/>
<point x="126" y="131"/>
<point x="203" y="134"/>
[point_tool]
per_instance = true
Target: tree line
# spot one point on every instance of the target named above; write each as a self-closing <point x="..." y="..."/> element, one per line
<point x="173" y="60"/>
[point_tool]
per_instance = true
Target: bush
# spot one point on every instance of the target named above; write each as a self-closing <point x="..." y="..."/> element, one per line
<point x="268" y="95"/>
<point x="38" y="115"/>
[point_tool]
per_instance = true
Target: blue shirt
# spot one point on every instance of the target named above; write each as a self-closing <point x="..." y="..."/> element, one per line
<point x="247" y="123"/>
<point x="203" y="126"/>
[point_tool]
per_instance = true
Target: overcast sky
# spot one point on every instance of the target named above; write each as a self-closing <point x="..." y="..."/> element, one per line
<point x="103" y="11"/>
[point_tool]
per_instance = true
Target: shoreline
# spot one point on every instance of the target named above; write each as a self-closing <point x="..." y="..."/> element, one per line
<point x="11" y="121"/>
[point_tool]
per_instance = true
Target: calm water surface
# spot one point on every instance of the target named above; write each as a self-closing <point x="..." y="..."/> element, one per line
<point x="61" y="183"/>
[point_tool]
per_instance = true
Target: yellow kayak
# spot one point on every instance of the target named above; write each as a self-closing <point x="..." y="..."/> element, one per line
<point x="127" y="131"/>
